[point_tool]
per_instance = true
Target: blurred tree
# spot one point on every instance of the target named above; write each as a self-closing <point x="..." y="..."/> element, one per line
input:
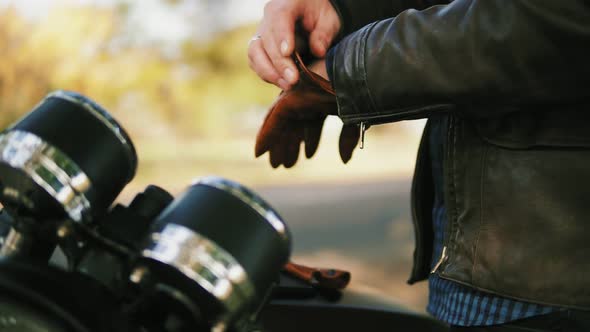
<point x="54" y="53"/>
<point x="22" y="81"/>
<point x="83" y="48"/>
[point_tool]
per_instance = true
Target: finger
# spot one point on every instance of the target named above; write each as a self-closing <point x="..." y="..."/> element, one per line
<point x="284" y="65"/>
<point x="318" y="43"/>
<point x="260" y="147"/>
<point x="312" y="134"/>
<point x="272" y="127"/>
<point x="260" y="63"/>
<point x="349" y="138"/>
<point x="277" y="152"/>
<point x="262" y="140"/>
<point x="323" y="33"/>
<point x="292" y="145"/>
<point x="283" y="17"/>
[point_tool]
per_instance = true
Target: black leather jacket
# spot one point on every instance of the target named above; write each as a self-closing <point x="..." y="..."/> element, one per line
<point x="514" y="78"/>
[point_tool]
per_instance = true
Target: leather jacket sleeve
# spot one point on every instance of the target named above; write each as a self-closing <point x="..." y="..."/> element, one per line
<point x="479" y="57"/>
<point x="354" y="14"/>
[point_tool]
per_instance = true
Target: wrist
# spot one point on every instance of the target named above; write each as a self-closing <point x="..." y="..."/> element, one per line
<point x="319" y="67"/>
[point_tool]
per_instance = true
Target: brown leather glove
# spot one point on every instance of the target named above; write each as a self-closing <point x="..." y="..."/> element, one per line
<point x="298" y="116"/>
<point x="320" y="278"/>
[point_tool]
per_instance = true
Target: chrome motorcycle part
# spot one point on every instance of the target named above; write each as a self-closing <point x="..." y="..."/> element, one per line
<point x="66" y="157"/>
<point x="223" y="239"/>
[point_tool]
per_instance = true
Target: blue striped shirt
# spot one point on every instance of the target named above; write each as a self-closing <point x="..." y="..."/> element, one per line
<point x="451" y="302"/>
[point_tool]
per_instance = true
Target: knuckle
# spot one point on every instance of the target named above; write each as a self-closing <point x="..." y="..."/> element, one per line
<point x="284" y="64"/>
<point x="275" y="59"/>
<point x="277" y="8"/>
<point x="319" y="35"/>
<point x="269" y="7"/>
<point x="281" y="10"/>
<point x="279" y="68"/>
<point x="272" y="77"/>
<point x="270" y="53"/>
<point x="269" y="76"/>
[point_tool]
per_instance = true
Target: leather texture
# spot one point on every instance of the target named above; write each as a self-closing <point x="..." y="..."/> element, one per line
<point x="298" y="116"/>
<point x="517" y="198"/>
<point x="513" y="76"/>
<point x="492" y="57"/>
<point x="320" y="278"/>
<point x="355" y="14"/>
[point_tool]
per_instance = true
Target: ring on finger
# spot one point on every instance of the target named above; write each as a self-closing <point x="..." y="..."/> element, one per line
<point x="253" y="39"/>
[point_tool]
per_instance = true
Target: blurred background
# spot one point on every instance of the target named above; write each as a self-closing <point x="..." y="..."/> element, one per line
<point x="175" y="74"/>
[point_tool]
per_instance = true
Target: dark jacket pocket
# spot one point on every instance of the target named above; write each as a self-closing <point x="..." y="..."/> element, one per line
<point x="521" y="207"/>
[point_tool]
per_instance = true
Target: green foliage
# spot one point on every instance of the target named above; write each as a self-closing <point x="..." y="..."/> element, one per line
<point x="198" y="92"/>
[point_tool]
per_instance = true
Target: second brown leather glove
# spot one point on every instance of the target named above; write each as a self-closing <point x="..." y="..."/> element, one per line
<point x="298" y="116"/>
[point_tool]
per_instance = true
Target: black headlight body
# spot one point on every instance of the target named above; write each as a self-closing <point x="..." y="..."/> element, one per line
<point x="68" y="156"/>
<point x="206" y="260"/>
<point x="220" y="237"/>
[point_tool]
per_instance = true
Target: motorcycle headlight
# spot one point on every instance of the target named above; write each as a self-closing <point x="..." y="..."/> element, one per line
<point x="68" y="156"/>
<point x="221" y="241"/>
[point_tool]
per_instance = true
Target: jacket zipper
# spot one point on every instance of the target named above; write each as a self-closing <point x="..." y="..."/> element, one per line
<point x="448" y="168"/>
<point x="419" y="261"/>
<point x="410" y="113"/>
<point x="363" y="128"/>
<point x="441" y="260"/>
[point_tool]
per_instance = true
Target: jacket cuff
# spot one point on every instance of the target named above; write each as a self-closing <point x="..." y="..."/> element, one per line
<point x="349" y="79"/>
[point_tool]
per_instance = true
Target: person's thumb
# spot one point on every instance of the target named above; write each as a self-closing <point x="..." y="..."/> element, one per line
<point x="322" y="35"/>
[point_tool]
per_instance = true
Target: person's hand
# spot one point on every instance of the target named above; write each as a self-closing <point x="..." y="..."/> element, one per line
<point x="298" y="116"/>
<point x="270" y="50"/>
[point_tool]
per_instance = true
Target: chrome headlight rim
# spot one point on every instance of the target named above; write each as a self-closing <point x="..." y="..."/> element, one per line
<point x="49" y="168"/>
<point x="204" y="262"/>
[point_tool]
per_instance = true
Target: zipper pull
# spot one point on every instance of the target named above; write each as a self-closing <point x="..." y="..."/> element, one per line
<point x="443" y="258"/>
<point x="363" y="128"/>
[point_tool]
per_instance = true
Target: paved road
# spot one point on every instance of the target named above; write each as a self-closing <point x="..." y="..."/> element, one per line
<point x="363" y="220"/>
<point x="365" y="228"/>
